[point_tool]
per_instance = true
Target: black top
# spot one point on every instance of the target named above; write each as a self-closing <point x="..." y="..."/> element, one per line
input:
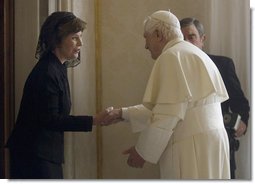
<point x="44" y="112"/>
<point x="237" y="102"/>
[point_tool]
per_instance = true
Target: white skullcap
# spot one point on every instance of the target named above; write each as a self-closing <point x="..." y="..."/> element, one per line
<point x="166" y="17"/>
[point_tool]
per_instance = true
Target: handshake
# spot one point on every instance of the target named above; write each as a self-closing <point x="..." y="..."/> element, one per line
<point x="108" y="116"/>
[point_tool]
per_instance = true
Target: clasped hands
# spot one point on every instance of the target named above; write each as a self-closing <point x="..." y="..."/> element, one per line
<point x="110" y="116"/>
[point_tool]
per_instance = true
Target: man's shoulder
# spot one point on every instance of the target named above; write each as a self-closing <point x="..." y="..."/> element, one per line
<point x="221" y="60"/>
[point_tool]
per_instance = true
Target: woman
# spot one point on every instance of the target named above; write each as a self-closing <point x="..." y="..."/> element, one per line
<point x="37" y="142"/>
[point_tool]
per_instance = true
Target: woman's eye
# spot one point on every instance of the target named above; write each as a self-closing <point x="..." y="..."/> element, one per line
<point x="75" y="38"/>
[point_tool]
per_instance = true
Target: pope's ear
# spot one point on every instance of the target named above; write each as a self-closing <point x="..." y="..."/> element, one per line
<point x="159" y="34"/>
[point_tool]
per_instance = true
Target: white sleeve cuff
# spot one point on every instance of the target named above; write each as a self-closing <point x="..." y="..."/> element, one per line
<point x="154" y="139"/>
<point x="125" y="114"/>
<point x="138" y="116"/>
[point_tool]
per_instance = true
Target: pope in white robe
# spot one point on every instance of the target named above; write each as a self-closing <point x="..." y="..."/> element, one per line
<point x="180" y="120"/>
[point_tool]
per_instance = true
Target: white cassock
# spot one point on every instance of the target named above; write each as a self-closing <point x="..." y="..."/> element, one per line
<point x="180" y="121"/>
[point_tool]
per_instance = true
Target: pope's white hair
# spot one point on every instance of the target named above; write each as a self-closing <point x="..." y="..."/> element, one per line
<point x="169" y="32"/>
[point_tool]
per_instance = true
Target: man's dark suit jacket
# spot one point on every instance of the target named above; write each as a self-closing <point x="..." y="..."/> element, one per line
<point x="237" y="102"/>
<point x="44" y="113"/>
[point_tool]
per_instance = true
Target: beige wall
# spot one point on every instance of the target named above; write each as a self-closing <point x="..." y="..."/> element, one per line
<point x="26" y="35"/>
<point x="126" y="66"/>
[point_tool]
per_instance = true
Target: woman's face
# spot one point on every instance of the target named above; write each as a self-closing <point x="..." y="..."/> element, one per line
<point x="70" y="47"/>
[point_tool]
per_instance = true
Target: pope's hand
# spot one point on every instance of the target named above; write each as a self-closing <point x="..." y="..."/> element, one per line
<point x="134" y="159"/>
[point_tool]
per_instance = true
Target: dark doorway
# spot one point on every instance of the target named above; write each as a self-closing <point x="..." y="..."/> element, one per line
<point x="6" y="80"/>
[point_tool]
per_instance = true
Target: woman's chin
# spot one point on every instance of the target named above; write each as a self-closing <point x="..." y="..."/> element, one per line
<point x="74" y="57"/>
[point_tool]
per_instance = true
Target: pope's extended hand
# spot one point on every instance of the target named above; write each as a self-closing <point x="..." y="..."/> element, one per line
<point x="134" y="159"/>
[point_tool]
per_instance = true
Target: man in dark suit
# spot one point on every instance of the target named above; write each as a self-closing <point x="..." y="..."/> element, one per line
<point x="193" y="32"/>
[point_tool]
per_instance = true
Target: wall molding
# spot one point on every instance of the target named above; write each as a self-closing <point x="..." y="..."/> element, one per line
<point x="98" y="71"/>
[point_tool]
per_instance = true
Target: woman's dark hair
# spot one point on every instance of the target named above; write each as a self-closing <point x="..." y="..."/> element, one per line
<point x="56" y="27"/>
